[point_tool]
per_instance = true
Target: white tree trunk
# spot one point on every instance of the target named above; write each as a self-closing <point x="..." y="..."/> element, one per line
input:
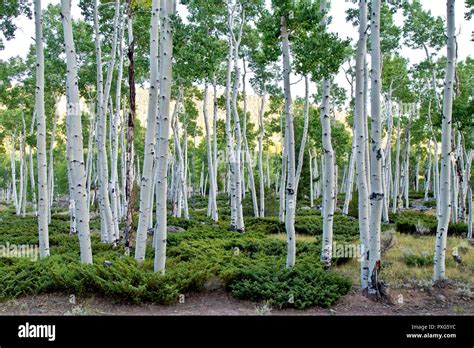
<point x="214" y="132"/>
<point x="305" y="133"/>
<point x="428" y="172"/>
<point x="113" y="183"/>
<point x="107" y="227"/>
<point x="51" y="165"/>
<point x="328" y="178"/>
<point x="290" y="206"/>
<point x="246" y="144"/>
<point x="284" y="163"/>
<point x="454" y="191"/>
<point x="417" y="172"/>
<point x="376" y="185"/>
<point x="329" y="192"/>
<point x="349" y="184"/>
<point x="146" y="181"/>
<point x="407" y="168"/>
<point x="396" y="182"/>
<point x="444" y="199"/>
<point x="436" y="178"/>
<point x="166" y="56"/>
<point x="32" y="172"/>
<point x="229" y="134"/>
<point x="317" y="179"/>
<point x="460" y="175"/>
<point x="13" y="169"/>
<point x="21" y="205"/>
<point x="239" y="218"/>
<point x="387" y="161"/>
<point x="185" y="185"/>
<point x="201" y="180"/>
<point x="366" y="121"/>
<point x="77" y="154"/>
<point x="181" y="176"/>
<point x="269" y="182"/>
<point x="361" y="168"/>
<point x="90" y="154"/>
<point x="260" y="157"/>
<point x="210" y="160"/>
<point x="43" y="199"/>
<point x="72" y="209"/>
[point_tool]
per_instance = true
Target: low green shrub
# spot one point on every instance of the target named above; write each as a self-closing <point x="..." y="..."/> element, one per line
<point x="302" y="286"/>
<point x="203" y="250"/>
<point x="423" y="223"/>
<point x="414" y="260"/>
<point x="121" y="281"/>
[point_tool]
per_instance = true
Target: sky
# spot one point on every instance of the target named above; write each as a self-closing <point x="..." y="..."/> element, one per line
<point x="465" y="30"/>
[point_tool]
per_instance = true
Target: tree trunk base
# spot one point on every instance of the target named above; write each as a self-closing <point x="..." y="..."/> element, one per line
<point x="235" y="229"/>
<point x="380" y="294"/>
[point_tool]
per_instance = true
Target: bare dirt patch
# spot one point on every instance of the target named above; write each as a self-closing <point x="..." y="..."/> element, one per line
<point x="417" y="301"/>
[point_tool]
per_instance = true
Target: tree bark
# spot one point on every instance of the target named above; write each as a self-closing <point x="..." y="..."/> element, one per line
<point x="329" y="192"/>
<point x="129" y="197"/>
<point x="246" y="144"/>
<point x="361" y="167"/>
<point x="146" y="186"/>
<point x="43" y="198"/>
<point x="210" y="164"/>
<point x="376" y="185"/>
<point x="32" y="172"/>
<point x="166" y="56"/>
<point x="444" y="201"/>
<point x="305" y="133"/>
<point x="77" y="153"/>
<point x="239" y="218"/>
<point x="396" y="182"/>
<point x="428" y="172"/>
<point x="284" y="164"/>
<point x="260" y="158"/>
<point x="349" y="184"/>
<point x="13" y="170"/>
<point x="113" y="183"/>
<point x="290" y="205"/>
<point x="107" y="227"/>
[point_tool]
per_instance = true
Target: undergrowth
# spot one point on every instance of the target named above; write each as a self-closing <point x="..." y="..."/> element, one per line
<point x="204" y="250"/>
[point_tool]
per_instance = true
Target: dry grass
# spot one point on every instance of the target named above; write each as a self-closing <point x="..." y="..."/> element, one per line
<point x="396" y="272"/>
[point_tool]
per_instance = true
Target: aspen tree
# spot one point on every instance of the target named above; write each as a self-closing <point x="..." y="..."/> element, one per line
<point x="361" y="159"/>
<point x="290" y="205"/>
<point x="166" y="56"/>
<point x="43" y="200"/>
<point x="107" y="224"/>
<point x="376" y="186"/>
<point x="445" y="177"/>
<point x="77" y="153"/>
<point x="260" y="157"/>
<point x="32" y="172"/>
<point x="146" y="181"/>
<point x="329" y="191"/>
<point x="210" y="160"/>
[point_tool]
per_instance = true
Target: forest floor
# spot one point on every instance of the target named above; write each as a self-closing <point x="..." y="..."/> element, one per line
<point x="407" y="244"/>
<point x="416" y="301"/>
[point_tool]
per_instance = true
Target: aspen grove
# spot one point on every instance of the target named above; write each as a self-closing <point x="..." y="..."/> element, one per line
<point x="150" y="146"/>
